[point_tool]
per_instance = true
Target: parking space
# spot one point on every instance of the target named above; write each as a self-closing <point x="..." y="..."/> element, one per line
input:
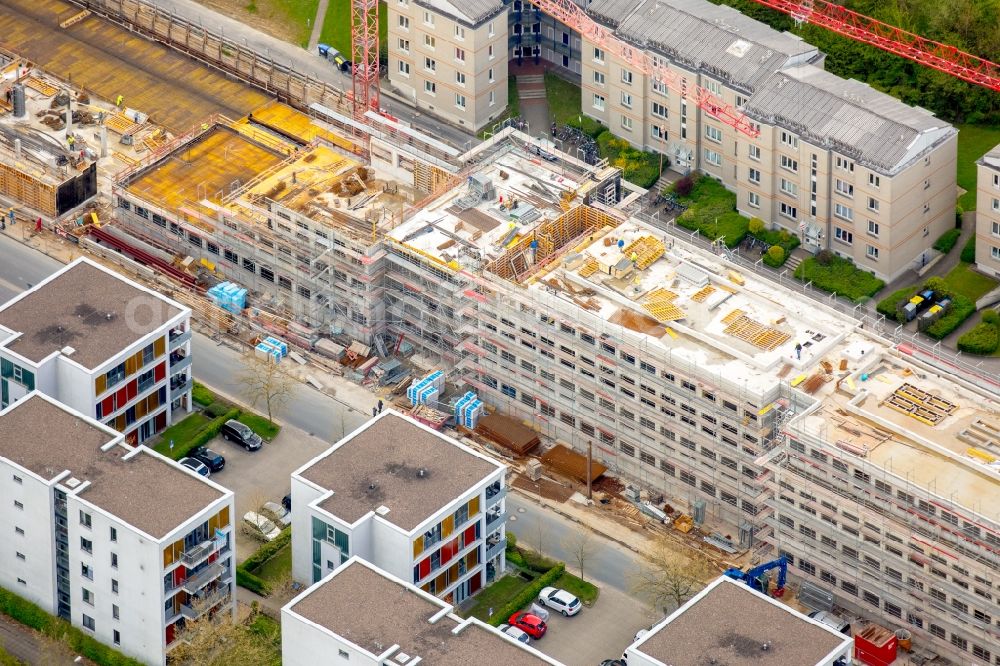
<point x="261" y="476"/>
<point x="600" y="632"/>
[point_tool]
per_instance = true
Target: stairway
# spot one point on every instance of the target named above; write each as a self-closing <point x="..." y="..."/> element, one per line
<point x="793" y="262"/>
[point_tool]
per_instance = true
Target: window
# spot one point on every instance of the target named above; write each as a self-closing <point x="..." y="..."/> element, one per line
<point x="19" y="531"/>
<point x="19" y="505"/>
<point x="114" y="586"/>
<point x="788" y="187"/>
<point x="88" y="622"/>
<point x="598" y="55"/>
<point x="845" y="164"/>
<point x="713" y="134"/>
<point x="627" y="100"/>
<point x="754" y="176"/>
<point x="626" y="77"/>
<point x="114" y="560"/>
<point x="21" y="556"/>
<point x="404" y="68"/>
<point x="460" y="55"/>
<point x="626" y="122"/>
<point x="754" y="152"/>
<point x="788" y="211"/>
<point x="874" y="180"/>
<point x="843" y="235"/>
<point x="995" y="252"/>
<point x="873" y="204"/>
<point x="843" y="212"/>
<point x="430" y="65"/>
<point x="430" y="87"/>
<point x="789" y="139"/>
<point x="88" y="596"/>
<point x="713" y="157"/>
<point x="86" y="545"/>
<point x="114" y="611"/>
<point x="599" y="78"/>
<point x="873" y="228"/>
<point x="753" y="199"/>
<point x="872" y="252"/>
<point x="117" y="637"/>
<point x="789" y="164"/>
<point x="86" y="571"/>
<point x="657" y="132"/>
<point x="230" y="256"/>
<point x="493" y="97"/>
<point x="489" y="51"/>
<point x="404" y="23"/>
<point x="19" y="480"/>
<point x="598" y="102"/>
<point x="404" y="45"/>
<point x="459" y="32"/>
<point x="460" y="101"/>
<point x="490" y="75"/>
<point x="428" y="18"/>
<point x="845" y="188"/>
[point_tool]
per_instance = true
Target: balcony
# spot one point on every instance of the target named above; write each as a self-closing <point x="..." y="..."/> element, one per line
<point x="195" y="556"/>
<point x="177" y="339"/>
<point x="177" y="389"/>
<point x="494" y="550"/>
<point x="192" y="584"/>
<point x="494" y="520"/>
<point x="494" y="495"/>
<point x="179" y="362"/>
<point x="201" y="605"/>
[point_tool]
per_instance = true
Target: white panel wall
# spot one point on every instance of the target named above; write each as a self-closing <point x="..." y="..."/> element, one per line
<point x="37" y="544"/>
<point x="302" y="643"/>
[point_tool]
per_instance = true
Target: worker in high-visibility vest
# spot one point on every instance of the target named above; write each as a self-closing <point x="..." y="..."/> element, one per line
<point x="119" y="101"/>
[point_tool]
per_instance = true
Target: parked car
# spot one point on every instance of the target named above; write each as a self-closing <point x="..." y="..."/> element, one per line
<point x="833" y="621"/>
<point x="234" y="431"/>
<point x="259" y="526"/>
<point x="639" y="634"/>
<point x="286" y="502"/>
<point x="210" y="458"/>
<point x="613" y="662"/>
<point x="560" y="600"/>
<point x="515" y="633"/>
<point x="532" y="625"/>
<point x="277" y="513"/>
<point x="196" y="466"/>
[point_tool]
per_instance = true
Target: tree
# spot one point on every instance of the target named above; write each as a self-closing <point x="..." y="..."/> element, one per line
<point x="756" y="225"/>
<point x="776" y="253"/>
<point x="214" y="640"/>
<point x="264" y="381"/>
<point x="580" y="546"/>
<point x="669" y="578"/>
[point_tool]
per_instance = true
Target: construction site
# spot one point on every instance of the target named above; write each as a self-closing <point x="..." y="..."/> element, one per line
<point x="716" y="406"/>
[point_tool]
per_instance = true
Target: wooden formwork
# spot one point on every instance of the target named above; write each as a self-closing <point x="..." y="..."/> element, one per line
<point x="28" y="190"/>
<point x="647" y="249"/>
<point x="757" y="334"/>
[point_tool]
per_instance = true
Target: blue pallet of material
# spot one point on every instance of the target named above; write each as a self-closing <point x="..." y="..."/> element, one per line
<point x="278" y="344"/>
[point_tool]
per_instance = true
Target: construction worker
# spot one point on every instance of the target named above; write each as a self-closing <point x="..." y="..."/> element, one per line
<point x="70" y="140"/>
<point x="119" y="101"/>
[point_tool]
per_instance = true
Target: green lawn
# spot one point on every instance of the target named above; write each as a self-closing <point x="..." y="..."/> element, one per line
<point x="563" y="98"/>
<point x="968" y="282"/>
<point x="260" y="425"/>
<point x="840" y="276"/>
<point x="587" y="592"/>
<point x="267" y="631"/>
<point x="181" y="431"/>
<point x="278" y="568"/>
<point x="202" y="395"/>
<point x="973" y="142"/>
<point x="496" y="596"/>
<point x="337" y="26"/>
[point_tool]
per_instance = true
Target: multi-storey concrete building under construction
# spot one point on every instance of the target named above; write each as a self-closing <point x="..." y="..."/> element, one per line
<point x="522" y="274"/>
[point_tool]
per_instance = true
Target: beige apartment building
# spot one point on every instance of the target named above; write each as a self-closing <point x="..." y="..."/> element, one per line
<point x="988" y="213"/>
<point x="838" y="163"/>
<point x="450" y="59"/>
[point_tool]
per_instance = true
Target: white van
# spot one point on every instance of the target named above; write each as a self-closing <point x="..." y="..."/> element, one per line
<point x="835" y="622"/>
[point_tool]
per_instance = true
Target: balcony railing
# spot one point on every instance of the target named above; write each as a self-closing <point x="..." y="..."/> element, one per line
<point x="494" y="519"/>
<point x="201" y="605"/>
<point x="178" y="363"/>
<point x="177" y="339"/>
<point x="192" y="584"/>
<point x="495" y="549"/>
<point x="177" y="390"/>
<point x="198" y="554"/>
<point x="495" y="495"/>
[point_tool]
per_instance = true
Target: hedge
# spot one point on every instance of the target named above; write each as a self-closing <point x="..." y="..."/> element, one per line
<point x="962" y="308"/>
<point x="889" y="306"/>
<point x="969" y="251"/>
<point x="983" y="339"/>
<point x="204" y="436"/>
<point x="244" y="572"/>
<point x="33" y="616"/>
<point x="527" y="595"/>
<point x="588" y="126"/>
<point x="776" y="237"/>
<point x="839" y="275"/>
<point x="202" y="395"/>
<point x="947" y="241"/>
<point x="638" y="167"/>
<point x="217" y="408"/>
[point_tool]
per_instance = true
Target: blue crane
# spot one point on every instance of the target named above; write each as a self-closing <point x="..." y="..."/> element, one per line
<point x="757" y="577"/>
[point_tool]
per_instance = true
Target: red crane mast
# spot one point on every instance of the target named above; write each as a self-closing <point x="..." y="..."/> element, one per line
<point x="364" y="54"/>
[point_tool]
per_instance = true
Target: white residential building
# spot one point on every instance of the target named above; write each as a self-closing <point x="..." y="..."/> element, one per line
<point x="102" y="344"/>
<point x="730" y="623"/>
<point x="988" y="213"/>
<point x="406" y="498"/>
<point x="122" y="542"/>
<point x="360" y="614"/>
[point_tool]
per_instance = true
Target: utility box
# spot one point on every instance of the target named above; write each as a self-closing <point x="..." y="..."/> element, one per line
<point x="875" y="645"/>
<point x="534" y="469"/>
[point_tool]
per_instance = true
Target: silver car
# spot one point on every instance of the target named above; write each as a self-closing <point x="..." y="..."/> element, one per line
<point x="277" y="513"/>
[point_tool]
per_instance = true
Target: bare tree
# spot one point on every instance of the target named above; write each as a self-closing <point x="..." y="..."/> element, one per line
<point x="539" y="534"/>
<point x="217" y="641"/>
<point x="669" y="578"/>
<point x="264" y="381"/>
<point x="580" y="546"/>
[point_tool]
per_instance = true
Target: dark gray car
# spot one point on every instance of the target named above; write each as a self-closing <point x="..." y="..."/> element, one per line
<point x="234" y="431"/>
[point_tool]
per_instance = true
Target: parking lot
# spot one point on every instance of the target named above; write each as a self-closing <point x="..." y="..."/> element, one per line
<point x="597" y="633"/>
<point x="262" y="476"/>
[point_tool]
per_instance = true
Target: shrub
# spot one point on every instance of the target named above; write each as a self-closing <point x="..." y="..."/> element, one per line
<point x="991" y="317"/>
<point x="255" y="584"/>
<point x="511" y="542"/>
<point x="638" y="167"/>
<point x="756" y="225"/>
<point x="527" y="595"/>
<point x="711" y="210"/>
<point x="683" y="187"/>
<point x="202" y="395"/>
<point x="588" y="126"/>
<point x="892" y="305"/>
<point x="969" y="251"/>
<point x="947" y="241"/>
<point x="962" y="308"/>
<point x="983" y="339"/>
<point x="775" y="256"/>
<point x="840" y="276"/>
<point x="824" y="257"/>
<point x="218" y="408"/>
<point x="244" y="572"/>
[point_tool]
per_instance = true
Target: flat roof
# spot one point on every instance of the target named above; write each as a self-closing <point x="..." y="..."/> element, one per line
<point x="87" y="307"/>
<point x="361" y="604"/>
<point x="395" y="462"/>
<point x="729" y="623"/>
<point x="142" y="490"/>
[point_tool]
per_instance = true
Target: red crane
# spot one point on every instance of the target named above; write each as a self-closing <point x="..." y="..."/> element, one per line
<point x="941" y="57"/>
<point x="569" y="13"/>
<point x="364" y="53"/>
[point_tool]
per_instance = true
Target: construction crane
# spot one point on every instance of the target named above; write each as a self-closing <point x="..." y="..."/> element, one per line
<point x="843" y="21"/>
<point x="574" y="17"/>
<point x="758" y="579"/>
<point x="364" y="53"/>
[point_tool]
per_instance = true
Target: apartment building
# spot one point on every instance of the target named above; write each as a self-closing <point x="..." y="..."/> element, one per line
<point x="122" y="542"/>
<point x="726" y="620"/>
<point x="988" y="213"/>
<point x="360" y="614"/>
<point x="101" y="344"/>
<point x="450" y="59"/>
<point x="837" y="163"/>
<point x="406" y="498"/>
<point x="535" y="37"/>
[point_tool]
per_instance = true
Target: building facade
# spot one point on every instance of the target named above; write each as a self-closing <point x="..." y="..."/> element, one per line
<point x="123" y="543"/>
<point x="101" y="344"/>
<point x="407" y="499"/>
<point x="988" y="213"/>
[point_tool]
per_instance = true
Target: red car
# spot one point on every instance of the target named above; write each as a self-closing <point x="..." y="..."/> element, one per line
<point x="530" y="624"/>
